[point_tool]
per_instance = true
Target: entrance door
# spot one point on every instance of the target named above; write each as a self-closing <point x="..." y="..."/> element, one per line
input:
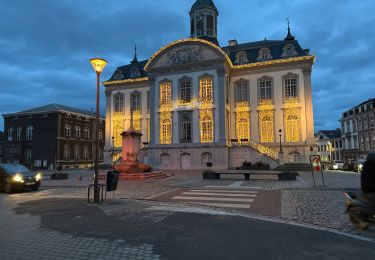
<point x="185" y="161"/>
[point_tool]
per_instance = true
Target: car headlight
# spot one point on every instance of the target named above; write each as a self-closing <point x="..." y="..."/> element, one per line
<point x="335" y="167"/>
<point x="38" y="176"/>
<point x="18" y="178"/>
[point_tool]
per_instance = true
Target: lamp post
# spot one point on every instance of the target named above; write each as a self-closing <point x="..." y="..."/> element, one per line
<point x="280" y="133"/>
<point x="113" y="153"/>
<point x="98" y="64"/>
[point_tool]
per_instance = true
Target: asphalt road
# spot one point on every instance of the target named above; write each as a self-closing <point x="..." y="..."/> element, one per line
<point x="190" y="235"/>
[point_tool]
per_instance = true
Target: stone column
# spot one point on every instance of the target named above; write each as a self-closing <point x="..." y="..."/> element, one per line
<point x="309" y="114"/>
<point x="220" y="107"/>
<point x="154" y="116"/>
<point x="108" y="127"/>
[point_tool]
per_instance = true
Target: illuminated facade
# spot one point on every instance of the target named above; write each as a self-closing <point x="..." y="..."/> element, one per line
<point x="196" y="102"/>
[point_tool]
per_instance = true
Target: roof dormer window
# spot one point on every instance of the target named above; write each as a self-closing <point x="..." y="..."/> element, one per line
<point x="134" y="72"/>
<point x="241" y="58"/>
<point x="264" y="54"/>
<point x="289" y="51"/>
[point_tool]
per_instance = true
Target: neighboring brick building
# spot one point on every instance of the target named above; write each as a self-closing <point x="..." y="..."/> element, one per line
<point x="358" y="130"/>
<point x="51" y="136"/>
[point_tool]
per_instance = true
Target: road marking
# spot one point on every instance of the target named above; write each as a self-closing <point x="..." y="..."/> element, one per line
<point x="225" y="205"/>
<point x="212" y="199"/>
<point x="226" y="191"/>
<point x="219" y="194"/>
<point x="226" y="187"/>
<point x="236" y="184"/>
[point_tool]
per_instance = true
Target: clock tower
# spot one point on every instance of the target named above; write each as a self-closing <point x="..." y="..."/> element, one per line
<point x="203" y="20"/>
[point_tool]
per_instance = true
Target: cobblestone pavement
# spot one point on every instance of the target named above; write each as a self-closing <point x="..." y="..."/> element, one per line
<point x="22" y="238"/>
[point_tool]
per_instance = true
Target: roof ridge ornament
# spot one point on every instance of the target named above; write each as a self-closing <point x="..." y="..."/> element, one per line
<point x="135" y="60"/>
<point x="289" y="37"/>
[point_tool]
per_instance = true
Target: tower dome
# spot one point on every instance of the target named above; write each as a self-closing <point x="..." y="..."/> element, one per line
<point x="203" y="19"/>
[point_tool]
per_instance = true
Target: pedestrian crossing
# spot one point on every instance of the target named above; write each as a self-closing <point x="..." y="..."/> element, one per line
<point x="235" y="199"/>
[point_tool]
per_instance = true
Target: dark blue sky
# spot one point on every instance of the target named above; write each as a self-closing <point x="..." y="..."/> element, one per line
<point x="45" y="45"/>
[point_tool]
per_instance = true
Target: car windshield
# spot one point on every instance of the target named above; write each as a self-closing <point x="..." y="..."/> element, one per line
<point x="338" y="161"/>
<point x="17" y="168"/>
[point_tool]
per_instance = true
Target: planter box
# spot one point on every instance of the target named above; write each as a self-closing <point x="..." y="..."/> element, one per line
<point x="288" y="176"/>
<point x="59" y="176"/>
<point x="256" y="168"/>
<point x="210" y="176"/>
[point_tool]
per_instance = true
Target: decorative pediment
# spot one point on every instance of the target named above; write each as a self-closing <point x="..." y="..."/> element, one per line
<point x="185" y="54"/>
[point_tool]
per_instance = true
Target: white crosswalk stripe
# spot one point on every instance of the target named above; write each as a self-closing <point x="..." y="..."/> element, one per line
<point x="235" y="199"/>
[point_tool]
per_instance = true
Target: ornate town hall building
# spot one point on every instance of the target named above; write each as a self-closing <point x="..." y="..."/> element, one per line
<point x="196" y="102"/>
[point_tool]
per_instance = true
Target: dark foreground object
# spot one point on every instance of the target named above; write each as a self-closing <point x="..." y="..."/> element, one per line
<point x="361" y="209"/>
<point x="288" y="176"/>
<point x="195" y="236"/>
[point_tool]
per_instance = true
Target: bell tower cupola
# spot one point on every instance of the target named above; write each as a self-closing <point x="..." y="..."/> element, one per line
<point x="203" y="20"/>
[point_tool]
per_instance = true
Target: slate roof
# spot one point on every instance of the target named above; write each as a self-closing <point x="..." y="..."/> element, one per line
<point x="124" y="72"/>
<point x="331" y="134"/>
<point x="199" y="4"/>
<point x="252" y="49"/>
<point x="53" y="108"/>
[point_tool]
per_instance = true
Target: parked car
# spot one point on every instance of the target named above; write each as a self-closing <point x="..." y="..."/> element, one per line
<point x="16" y="177"/>
<point x="349" y="165"/>
<point x="337" y="165"/>
<point x="359" y="165"/>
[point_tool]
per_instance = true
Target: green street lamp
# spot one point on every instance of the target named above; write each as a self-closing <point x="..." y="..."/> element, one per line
<point x="98" y="64"/>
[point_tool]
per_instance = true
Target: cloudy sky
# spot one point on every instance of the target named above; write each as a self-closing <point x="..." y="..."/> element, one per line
<point x="45" y="45"/>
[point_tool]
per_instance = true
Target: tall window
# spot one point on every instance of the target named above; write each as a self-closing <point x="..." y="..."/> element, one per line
<point x="135" y="102"/>
<point x="165" y="93"/>
<point x="166" y="132"/>
<point x="28" y="154"/>
<point x="266" y="130"/>
<point x="19" y="133"/>
<point x="86" y="153"/>
<point x="242" y="92"/>
<point x="77" y="132"/>
<point x="290" y="87"/>
<point x="76" y="153"/>
<point x="10" y="134"/>
<point x="86" y="133"/>
<point x="29" y="133"/>
<point x="207" y="130"/>
<point x="206" y="90"/>
<point x="243" y="129"/>
<point x="264" y="55"/>
<point x="292" y="129"/>
<point x="66" y="152"/>
<point x="100" y="134"/>
<point x="67" y="131"/>
<point x="185" y="90"/>
<point x="265" y="87"/>
<point x="186" y="130"/>
<point x="119" y="103"/>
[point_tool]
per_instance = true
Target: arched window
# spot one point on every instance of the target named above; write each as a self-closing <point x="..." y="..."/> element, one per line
<point x="185" y="130"/>
<point x="210" y="25"/>
<point x="66" y="152"/>
<point x="77" y="156"/>
<point x="119" y="103"/>
<point x="290" y="85"/>
<point x="241" y="57"/>
<point x="292" y="129"/>
<point x="266" y="130"/>
<point x="165" y="93"/>
<point x="243" y="130"/>
<point x="264" y="54"/>
<point x="289" y="51"/>
<point x="206" y="94"/>
<point x="242" y="91"/>
<point x="185" y="90"/>
<point x="134" y="72"/>
<point x="265" y="88"/>
<point x="166" y="131"/>
<point x="135" y="101"/>
<point x="207" y="130"/>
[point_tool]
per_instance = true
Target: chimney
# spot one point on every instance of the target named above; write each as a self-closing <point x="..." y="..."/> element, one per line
<point x="232" y="43"/>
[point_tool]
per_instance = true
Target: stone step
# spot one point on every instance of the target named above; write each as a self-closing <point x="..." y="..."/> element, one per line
<point x="138" y="176"/>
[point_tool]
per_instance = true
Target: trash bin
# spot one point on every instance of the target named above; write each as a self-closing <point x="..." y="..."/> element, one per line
<point x="112" y="180"/>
